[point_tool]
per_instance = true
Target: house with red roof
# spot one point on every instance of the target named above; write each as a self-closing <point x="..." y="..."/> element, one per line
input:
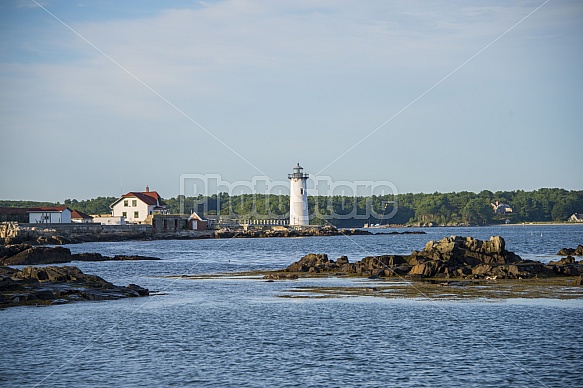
<point x="136" y="206"/>
<point x="49" y="215"/>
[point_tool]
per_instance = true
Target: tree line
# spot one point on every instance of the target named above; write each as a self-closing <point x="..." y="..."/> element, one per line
<point x="543" y="205"/>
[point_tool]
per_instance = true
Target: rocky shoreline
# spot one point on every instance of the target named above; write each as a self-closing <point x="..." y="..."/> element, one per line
<point x="451" y="261"/>
<point x="24" y="254"/>
<point x="450" y="258"/>
<point x="14" y="234"/>
<point x="300" y="232"/>
<point x="58" y="285"/>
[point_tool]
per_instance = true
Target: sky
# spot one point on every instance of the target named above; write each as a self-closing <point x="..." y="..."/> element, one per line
<point x="102" y="97"/>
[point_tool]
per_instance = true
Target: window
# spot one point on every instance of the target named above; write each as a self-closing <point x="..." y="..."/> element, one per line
<point x="136" y="215"/>
<point x="124" y="214"/>
<point x="135" y="203"/>
<point x="125" y="203"/>
<point x="301" y="191"/>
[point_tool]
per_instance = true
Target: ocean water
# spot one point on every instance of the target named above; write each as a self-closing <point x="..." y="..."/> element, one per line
<point x="240" y="332"/>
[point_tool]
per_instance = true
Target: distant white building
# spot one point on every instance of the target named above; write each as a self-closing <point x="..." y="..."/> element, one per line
<point x="501" y="208"/>
<point x="49" y="215"/>
<point x="135" y="207"/>
<point x="576" y="218"/>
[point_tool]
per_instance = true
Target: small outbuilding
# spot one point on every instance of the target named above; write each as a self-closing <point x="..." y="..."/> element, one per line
<point x="196" y="222"/>
<point x="80" y="217"/>
<point x="49" y="215"/>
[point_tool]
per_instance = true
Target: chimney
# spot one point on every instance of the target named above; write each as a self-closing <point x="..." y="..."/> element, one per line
<point x="147" y="189"/>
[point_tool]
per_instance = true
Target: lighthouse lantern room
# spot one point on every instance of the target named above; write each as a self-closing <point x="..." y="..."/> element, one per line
<point x="298" y="198"/>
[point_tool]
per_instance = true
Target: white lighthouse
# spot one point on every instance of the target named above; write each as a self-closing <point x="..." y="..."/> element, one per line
<point x="298" y="197"/>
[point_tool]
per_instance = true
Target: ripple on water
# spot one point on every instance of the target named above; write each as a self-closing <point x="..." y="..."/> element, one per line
<point x="240" y="333"/>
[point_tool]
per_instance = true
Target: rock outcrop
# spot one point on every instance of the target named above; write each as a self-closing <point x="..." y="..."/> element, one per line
<point x="57" y="285"/>
<point x="305" y="231"/>
<point x="283" y="231"/>
<point x="39" y="255"/>
<point x="24" y="254"/>
<point x="571" y="252"/>
<point x="452" y="257"/>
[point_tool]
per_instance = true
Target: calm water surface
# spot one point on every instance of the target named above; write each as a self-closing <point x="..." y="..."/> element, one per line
<point x="239" y="332"/>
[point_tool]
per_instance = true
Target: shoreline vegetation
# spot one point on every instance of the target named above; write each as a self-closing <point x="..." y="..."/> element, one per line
<point x="436" y="209"/>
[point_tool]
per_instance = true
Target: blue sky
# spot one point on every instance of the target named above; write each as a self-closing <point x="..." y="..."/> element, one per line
<point x="151" y="90"/>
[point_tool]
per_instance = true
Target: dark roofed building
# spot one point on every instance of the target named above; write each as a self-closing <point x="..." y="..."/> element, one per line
<point x="14" y="214"/>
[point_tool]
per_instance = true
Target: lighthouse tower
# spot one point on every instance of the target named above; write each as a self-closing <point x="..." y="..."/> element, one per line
<point x="298" y="197"/>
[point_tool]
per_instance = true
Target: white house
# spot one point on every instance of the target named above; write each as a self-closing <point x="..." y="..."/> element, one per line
<point x="135" y="206"/>
<point x="577" y="217"/>
<point x="49" y="215"/>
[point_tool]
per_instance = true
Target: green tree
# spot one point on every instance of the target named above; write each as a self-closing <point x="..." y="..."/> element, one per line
<point x="478" y="211"/>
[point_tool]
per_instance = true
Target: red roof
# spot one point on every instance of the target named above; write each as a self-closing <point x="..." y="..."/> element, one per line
<point x="148" y="197"/>
<point x="76" y="214"/>
<point x="47" y="209"/>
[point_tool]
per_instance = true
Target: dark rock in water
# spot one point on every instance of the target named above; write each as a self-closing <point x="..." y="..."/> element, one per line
<point x="566" y="267"/>
<point x="319" y="261"/>
<point x="24" y="254"/>
<point x="53" y="274"/>
<point x="342" y="260"/>
<point x="133" y="257"/>
<point x="89" y="257"/>
<point x="283" y="231"/>
<point x="99" y="257"/>
<point x="57" y="285"/>
<point x="564" y="261"/>
<point x="354" y="232"/>
<point x="140" y="290"/>
<point x="571" y="252"/>
<point x="280" y="276"/>
<point x="451" y="257"/>
<point x="39" y="255"/>
<point x="11" y="250"/>
<point x="469" y="251"/>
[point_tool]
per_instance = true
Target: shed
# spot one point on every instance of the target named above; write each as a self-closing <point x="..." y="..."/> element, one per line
<point x="49" y="215"/>
<point x="196" y="222"/>
<point x="80" y="217"/>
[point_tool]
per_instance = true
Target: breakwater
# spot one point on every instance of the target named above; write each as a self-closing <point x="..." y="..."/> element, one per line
<point x="14" y="233"/>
